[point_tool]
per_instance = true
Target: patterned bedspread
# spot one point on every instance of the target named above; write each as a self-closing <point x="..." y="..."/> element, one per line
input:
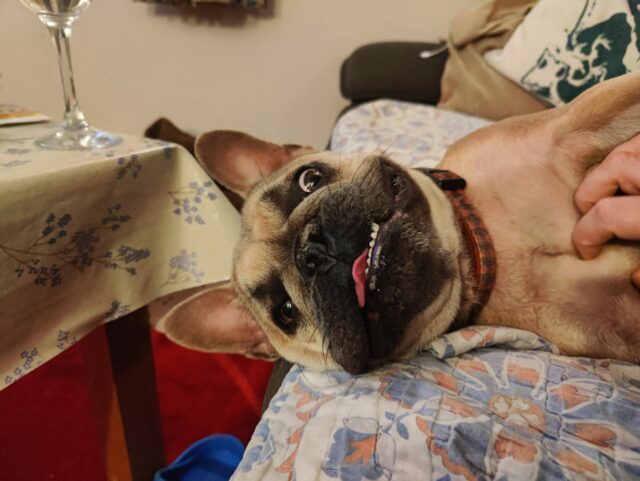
<point x="411" y="134"/>
<point x="480" y="403"/>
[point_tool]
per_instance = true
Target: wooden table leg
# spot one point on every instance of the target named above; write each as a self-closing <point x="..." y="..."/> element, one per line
<point x="105" y="406"/>
<point x="121" y="380"/>
<point x="131" y="354"/>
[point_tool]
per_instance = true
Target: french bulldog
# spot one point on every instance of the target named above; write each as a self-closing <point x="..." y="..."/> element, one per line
<point x="353" y="261"/>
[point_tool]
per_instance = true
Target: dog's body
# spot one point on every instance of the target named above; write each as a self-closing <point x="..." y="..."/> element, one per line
<point x="525" y="173"/>
<point x="299" y="269"/>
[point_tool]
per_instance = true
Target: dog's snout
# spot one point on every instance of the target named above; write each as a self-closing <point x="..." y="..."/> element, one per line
<point x="314" y="252"/>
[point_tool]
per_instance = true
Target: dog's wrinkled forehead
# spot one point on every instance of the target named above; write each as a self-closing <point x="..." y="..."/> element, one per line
<point x="271" y="211"/>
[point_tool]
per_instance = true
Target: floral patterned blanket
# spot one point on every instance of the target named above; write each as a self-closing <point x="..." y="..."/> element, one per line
<point x="412" y="134"/>
<point x="481" y="403"/>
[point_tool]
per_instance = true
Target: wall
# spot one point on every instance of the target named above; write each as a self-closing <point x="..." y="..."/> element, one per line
<point x="274" y="75"/>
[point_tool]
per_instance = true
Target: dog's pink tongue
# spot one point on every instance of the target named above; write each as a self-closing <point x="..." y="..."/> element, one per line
<point x="359" y="276"/>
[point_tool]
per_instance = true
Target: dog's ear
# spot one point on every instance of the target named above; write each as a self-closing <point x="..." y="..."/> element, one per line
<point x="212" y="321"/>
<point x="238" y="160"/>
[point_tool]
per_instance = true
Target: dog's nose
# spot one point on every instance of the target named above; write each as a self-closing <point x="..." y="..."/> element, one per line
<point x="315" y="252"/>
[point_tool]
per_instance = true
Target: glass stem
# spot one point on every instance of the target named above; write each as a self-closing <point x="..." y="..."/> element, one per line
<point x="73" y="116"/>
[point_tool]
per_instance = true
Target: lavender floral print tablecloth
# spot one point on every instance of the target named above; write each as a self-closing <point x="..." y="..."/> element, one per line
<point x="86" y="237"/>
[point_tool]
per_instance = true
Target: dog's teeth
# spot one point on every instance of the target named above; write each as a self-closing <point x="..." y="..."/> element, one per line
<point x="374" y="235"/>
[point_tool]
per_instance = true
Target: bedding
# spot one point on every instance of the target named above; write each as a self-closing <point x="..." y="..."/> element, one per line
<point x="412" y="134"/>
<point x="562" y="48"/>
<point x="469" y="84"/>
<point x="479" y="403"/>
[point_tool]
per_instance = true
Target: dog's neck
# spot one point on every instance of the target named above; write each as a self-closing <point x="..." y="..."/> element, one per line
<point x="478" y="240"/>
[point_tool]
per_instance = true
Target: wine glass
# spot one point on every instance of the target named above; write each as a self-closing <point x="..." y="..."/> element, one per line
<point x="75" y="132"/>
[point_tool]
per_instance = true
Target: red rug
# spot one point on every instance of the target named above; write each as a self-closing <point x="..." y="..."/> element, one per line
<point x="48" y="432"/>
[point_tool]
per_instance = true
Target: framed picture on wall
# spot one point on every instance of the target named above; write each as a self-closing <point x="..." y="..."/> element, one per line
<point x="193" y="3"/>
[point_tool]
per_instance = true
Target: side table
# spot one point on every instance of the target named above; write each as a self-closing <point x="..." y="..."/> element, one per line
<point x="89" y="239"/>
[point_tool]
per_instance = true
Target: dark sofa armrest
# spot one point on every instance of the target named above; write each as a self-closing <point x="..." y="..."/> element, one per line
<point x="397" y="70"/>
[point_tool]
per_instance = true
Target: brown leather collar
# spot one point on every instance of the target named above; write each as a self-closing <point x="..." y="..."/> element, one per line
<point x="478" y="238"/>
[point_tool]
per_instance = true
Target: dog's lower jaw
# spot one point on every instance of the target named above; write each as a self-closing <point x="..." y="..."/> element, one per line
<point x="454" y="304"/>
<point x="450" y="310"/>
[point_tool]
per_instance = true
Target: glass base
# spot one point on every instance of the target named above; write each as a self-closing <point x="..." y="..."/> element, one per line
<point x="83" y="139"/>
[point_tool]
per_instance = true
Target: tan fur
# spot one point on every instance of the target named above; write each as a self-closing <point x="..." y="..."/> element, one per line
<point x="201" y="322"/>
<point x="522" y="174"/>
<point x="258" y="251"/>
<point x="437" y="318"/>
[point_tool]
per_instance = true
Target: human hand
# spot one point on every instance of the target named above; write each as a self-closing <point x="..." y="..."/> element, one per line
<point x="605" y="215"/>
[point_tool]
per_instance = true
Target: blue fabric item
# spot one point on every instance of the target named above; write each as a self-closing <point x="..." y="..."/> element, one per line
<point x="213" y="458"/>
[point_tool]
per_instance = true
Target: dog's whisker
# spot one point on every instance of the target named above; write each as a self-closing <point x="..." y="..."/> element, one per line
<point x="368" y="179"/>
<point x="362" y="165"/>
<point x="331" y="193"/>
<point x="386" y="149"/>
<point x="262" y="174"/>
<point x="313" y="333"/>
<point x="325" y="352"/>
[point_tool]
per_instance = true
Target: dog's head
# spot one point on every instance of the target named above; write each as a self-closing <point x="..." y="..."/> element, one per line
<point x="344" y="260"/>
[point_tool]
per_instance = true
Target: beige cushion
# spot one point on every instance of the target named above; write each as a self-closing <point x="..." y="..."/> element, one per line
<point x="469" y="84"/>
<point x="563" y="48"/>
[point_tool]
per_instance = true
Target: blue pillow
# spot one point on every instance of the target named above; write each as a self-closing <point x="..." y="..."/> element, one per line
<point x="214" y="458"/>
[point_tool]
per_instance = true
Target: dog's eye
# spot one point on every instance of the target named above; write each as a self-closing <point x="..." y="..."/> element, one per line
<point x="310" y="179"/>
<point x="286" y="313"/>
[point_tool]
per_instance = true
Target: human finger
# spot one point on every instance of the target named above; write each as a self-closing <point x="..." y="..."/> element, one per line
<point x="620" y="170"/>
<point x="609" y="217"/>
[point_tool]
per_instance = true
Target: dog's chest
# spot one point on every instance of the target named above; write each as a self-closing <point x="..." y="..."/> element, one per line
<point x="528" y="209"/>
<point x="542" y="285"/>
